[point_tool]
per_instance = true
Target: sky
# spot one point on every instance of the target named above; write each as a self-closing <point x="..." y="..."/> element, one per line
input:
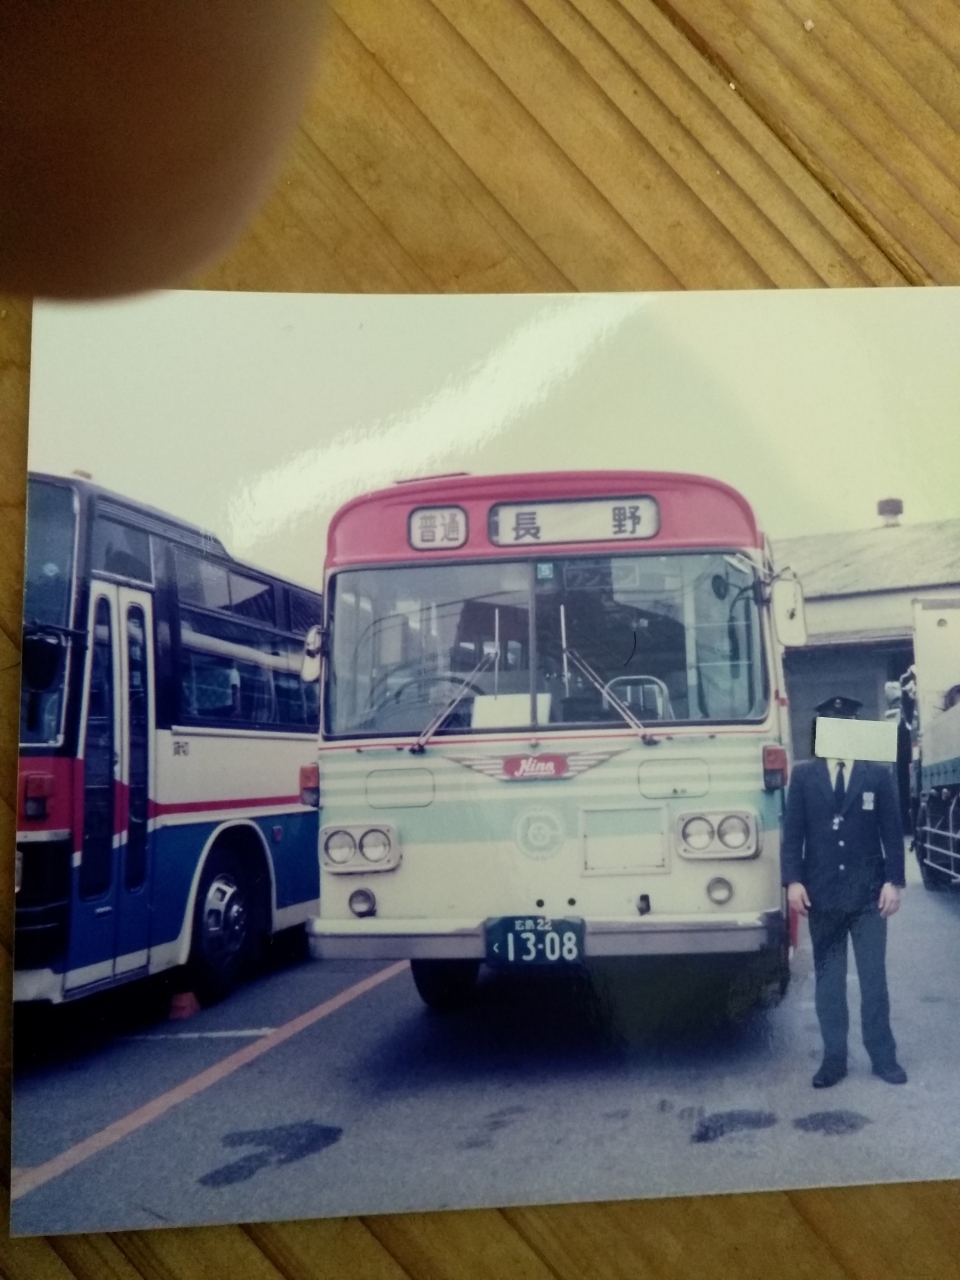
<point x="256" y="415"/>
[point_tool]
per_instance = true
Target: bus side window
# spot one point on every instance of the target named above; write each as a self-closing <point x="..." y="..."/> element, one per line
<point x="96" y="865"/>
<point x="121" y="550"/>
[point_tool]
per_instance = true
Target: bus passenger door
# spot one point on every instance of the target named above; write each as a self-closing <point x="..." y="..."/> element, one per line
<point x="136" y="698"/>
<point x="90" y="955"/>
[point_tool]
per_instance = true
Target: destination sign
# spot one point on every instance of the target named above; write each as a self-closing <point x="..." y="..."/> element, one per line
<point x="437" y="528"/>
<point x="597" y="520"/>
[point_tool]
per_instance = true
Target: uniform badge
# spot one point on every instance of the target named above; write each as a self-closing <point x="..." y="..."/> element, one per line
<point x="868" y="799"/>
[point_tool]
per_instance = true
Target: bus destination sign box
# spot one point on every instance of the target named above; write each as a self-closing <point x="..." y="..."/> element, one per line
<point x="437" y="528"/>
<point x="551" y="523"/>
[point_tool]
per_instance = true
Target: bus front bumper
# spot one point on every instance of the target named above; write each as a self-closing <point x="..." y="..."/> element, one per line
<point x="374" y="939"/>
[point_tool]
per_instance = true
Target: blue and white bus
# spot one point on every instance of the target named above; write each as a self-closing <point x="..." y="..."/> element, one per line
<point x="167" y="795"/>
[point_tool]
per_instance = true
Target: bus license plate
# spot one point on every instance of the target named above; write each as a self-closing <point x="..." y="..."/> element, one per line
<point x="534" y="940"/>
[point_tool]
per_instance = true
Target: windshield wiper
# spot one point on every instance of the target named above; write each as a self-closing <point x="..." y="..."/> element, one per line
<point x="429" y="729"/>
<point x="597" y="681"/>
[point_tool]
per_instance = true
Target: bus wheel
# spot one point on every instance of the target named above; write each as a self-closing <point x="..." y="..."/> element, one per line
<point x="224" y="928"/>
<point x="445" y="985"/>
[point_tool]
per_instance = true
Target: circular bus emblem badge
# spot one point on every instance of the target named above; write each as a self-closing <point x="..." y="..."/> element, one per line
<point x="539" y="833"/>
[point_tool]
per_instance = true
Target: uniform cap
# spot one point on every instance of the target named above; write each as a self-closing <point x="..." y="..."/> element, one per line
<point x="841" y="706"/>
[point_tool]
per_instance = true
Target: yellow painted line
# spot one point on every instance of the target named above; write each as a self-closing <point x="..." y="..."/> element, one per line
<point x="24" y="1180"/>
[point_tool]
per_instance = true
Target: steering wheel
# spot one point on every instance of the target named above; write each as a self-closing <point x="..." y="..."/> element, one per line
<point x="631" y="681"/>
<point x="423" y="681"/>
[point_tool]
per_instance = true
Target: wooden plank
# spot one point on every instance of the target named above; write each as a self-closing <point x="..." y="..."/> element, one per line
<point x="328" y="1250"/>
<point x="608" y="149"/>
<point x="938" y="19"/>
<point x="31" y="1259"/>
<point x="627" y="87"/>
<point x="902" y="39"/>
<point x="435" y="1246"/>
<point x="511" y="154"/>
<point x="888" y="1232"/>
<point x="202" y="1251"/>
<point x="772" y="60"/>
<point x="669" y="1239"/>
<point x="768" y="170"/>
<point x="315" y="235"/>
<point x="418" y="189"/>
<point x="882" y="103"/>
<point x="94" y="1258"/>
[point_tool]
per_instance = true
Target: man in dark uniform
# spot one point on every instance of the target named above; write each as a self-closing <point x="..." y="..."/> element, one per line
<point x="842" y="862"/>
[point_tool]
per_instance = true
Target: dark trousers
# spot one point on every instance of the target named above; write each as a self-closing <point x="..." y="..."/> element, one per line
<point x="867" y="929"/>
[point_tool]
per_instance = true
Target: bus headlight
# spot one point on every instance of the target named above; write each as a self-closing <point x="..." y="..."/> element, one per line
<point x="734" y="831"/>
<point x="358" y="848"/>
<point x="717" y="834"/>
<point x="697" y="833"/>
<point x="340" y="847"/>
<point x="374" y="845"/>
<point x="719" y="891"/>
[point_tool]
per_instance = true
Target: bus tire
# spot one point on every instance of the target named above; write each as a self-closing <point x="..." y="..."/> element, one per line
<point x="225" y="939"/>
<point x="445" y="985"/>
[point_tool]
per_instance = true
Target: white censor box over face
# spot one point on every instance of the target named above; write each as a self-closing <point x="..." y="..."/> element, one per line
<point x="840" y="739"/>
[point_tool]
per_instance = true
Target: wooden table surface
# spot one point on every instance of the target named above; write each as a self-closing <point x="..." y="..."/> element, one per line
<point x="545" y="145"/>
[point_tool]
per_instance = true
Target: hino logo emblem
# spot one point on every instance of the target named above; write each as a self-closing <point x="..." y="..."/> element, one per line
<point x="531" y="768"/>
<point x="519" y="767"/>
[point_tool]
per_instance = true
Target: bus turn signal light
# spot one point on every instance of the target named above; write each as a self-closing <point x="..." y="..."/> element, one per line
<point x="310" y="785"/>
<point x="774" y="768"/>
<point x="37" y="790"/>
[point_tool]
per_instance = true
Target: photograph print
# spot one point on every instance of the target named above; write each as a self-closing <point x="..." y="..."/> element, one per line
<point x="420" y="803"/>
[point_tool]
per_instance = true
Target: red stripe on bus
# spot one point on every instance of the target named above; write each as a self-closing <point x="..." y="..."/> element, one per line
<point x="159" y="810"/>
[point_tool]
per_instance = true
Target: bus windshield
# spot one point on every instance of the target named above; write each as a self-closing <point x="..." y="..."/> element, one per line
<point x="47" y="606"/>
<point x="672" y="637"/>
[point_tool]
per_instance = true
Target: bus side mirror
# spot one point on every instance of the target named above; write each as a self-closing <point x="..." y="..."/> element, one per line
<point x="312" y="655"/>
<point x="786" y="599"/>
<point x="893" y="694"/>
<point x="41" y="659"/>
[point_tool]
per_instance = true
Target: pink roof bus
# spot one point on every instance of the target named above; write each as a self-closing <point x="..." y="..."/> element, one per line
<point x="552" y="726"/>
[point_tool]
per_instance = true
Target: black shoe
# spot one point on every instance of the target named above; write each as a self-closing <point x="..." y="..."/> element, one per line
<point x="891" y="1072"/>
<point x="831" y="1072"/>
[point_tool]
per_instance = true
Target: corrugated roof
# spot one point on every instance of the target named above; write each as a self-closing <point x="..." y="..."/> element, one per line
<point x="897" y="558"/>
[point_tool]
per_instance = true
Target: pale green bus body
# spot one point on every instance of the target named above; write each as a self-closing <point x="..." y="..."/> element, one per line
<point x="474" y="847"/>
<point x="508" y="815"/>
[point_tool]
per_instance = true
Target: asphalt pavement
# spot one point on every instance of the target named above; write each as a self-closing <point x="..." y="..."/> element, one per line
<point x="326" y="1088"/>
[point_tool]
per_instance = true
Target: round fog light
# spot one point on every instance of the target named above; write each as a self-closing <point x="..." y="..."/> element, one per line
<point x="734" y="831"/>
<point x="374" y="845"/>
<point x="697" y="833"/>
<point x="363" y="903"/>
<point x="719" y="891"/>
<point x="340" y="846"/>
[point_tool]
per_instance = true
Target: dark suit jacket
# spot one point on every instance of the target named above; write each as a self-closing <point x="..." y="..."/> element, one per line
<point x="842" y="867"/>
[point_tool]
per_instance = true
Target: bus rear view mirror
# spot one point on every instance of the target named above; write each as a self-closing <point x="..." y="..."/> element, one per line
<point x="893" y="694"/>
<point x="41" y="659"/>
<point x="788" y="615"/>
<point x="312" y="653"/>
